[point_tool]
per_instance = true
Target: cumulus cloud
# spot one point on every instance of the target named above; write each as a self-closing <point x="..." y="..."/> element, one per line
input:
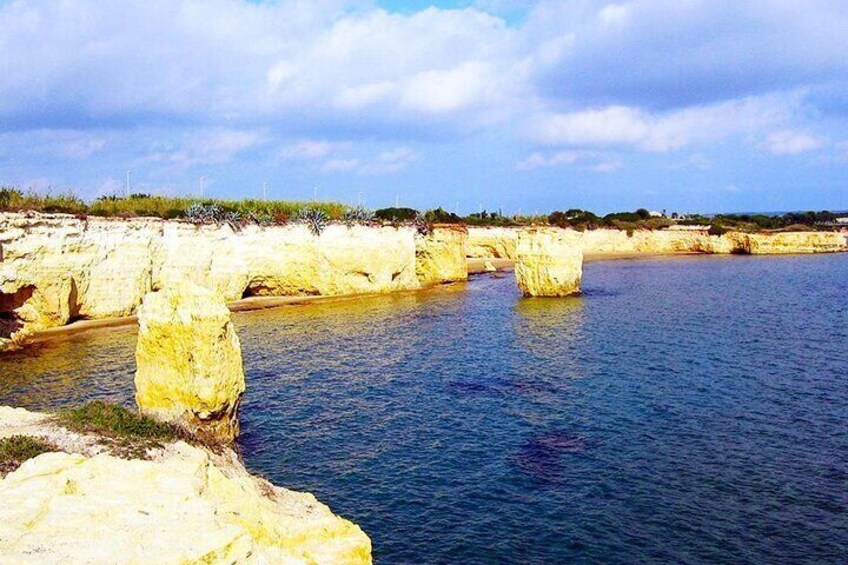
<point x="660" y="132"/>
<point x="326" y="86"/>
<point x="664" y="55"/>
<point x="208" y="147"/>
<point x="386" y="162"/>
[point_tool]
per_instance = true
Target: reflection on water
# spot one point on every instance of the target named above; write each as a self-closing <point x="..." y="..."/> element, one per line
<point x="688" y="410"/>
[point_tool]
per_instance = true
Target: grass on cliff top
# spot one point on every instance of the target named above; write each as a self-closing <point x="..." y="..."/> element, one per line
<point x="15" y="450"/>
<point x="147" y="205"/>
<point x="130" y="434"/>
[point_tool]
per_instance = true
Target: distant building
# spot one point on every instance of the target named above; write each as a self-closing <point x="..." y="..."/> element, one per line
<point x="842" y="221"/>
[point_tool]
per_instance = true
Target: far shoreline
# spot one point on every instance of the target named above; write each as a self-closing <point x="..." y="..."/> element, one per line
<point x="476" y="266"/>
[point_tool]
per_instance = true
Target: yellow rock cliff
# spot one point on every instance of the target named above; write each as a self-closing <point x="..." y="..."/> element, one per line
<point x="440" y="256"/>
<point x="183" y="504"/>
<point x="189" y="365"/>
<point x="549" y="262"/>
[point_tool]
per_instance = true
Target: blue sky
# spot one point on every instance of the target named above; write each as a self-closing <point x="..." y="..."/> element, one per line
<point x="686" y="105"/>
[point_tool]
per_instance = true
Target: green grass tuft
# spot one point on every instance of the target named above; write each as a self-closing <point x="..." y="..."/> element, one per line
<point x="117" y="422"/>
<point x="15" y="450"/>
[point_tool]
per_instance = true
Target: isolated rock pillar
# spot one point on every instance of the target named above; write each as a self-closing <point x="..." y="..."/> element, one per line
<point x="549" y="262"/>
<point x="189" y="365"/>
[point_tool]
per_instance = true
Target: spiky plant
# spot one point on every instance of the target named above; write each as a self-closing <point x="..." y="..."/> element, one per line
<point x="204" y="213"/>
<point x="358" y="215"/>
<point x="315" y="219"/>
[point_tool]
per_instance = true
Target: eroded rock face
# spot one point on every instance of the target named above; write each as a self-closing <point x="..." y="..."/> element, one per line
<point x="185" y="505"/>
<point x="440" y="255"/>
<point x="96" y="268"/>
<point x="189" y="365"/>
<point x="491" y="243"/>
<point x="549" y="262"/>
<point x="500" y="242"/>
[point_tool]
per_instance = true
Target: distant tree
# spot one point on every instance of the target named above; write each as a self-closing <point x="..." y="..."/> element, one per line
<point x="396" y="214"/>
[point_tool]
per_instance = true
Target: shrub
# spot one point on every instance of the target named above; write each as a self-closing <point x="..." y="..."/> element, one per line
<point x="441" y="216"/>
<point x="717" y="229"/>
<point x="396" y="214"/>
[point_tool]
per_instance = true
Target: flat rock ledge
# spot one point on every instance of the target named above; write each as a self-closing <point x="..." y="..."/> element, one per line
<point x="181" y="504"/>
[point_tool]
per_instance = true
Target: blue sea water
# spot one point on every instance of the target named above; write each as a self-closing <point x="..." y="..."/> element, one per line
<point x="686" y="410"/>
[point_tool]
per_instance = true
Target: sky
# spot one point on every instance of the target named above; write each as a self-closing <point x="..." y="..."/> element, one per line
<point x="522" y="106"/>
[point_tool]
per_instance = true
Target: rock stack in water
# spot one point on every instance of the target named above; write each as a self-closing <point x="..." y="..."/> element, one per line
<point x="189" y="361"/>
<point x="549" y="262"/>
<point x="440" y="255"/>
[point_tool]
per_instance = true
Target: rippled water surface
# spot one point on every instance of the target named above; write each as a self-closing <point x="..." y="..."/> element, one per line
<point x="690" y="410"/>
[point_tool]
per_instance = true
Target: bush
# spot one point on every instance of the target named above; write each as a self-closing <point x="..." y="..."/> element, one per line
<point x="441" y="216"/>
<point x="396" y="214"/>
<point x="717" y="229"/>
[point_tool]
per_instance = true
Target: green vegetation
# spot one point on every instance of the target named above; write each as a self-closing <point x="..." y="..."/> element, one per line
<point x="131" y="433"/>
<point x="582" y="220"/>
<point x="15" y="450"/>
<point x="145" y="205"/>
<point x="396" y="214"/>
<point x="14" y="200"/>
<point x="317" y="214"/>
<point x="792" y="221"/>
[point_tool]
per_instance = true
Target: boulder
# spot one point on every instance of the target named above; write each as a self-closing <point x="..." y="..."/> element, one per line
<point x="189" y="365"/>
<point x="549" y="262"/>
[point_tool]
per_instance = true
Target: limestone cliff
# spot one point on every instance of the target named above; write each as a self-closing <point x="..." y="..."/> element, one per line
<point x="500" y="242"/>
<point x="549" y="262"/>
<point x="491" y="243"/>
<point x="189" y="365"/>
<point x="440" y="255"/>
<point x="56" y="268"/>
<point x="182" y="504"/>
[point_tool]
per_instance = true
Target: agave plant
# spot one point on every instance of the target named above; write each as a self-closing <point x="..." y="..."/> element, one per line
<point x="314" y="218"/>
<point x="358" y="215"/>
<point x="204" y="213"/>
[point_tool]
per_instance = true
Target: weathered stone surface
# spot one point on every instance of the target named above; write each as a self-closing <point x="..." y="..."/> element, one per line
<point x="498" y="242"/>
<point x="189" y="365"/>
<point x="183" y="505"/>
<point x="491" y="243"/>
<point x="54" y="268"/>
<point x="549" y="262"/>
<point x="440" y="255"/>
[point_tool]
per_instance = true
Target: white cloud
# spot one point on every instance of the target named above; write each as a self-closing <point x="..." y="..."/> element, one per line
<point x="385" y="162"/>
<point x="208" y="147"/>
<point x="788" y="142"/>
<point x="661" y="132"/>
<point x="588" y="160"/>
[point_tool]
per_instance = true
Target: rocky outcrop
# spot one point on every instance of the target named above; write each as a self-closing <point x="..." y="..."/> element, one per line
<point x="549" y="262"/>
<point x="786" y="242"/>
<point x="56" y="268"/>
<point x="498" y="242"/>
<point x="491" y="243"/>
<point x="440" y="255"/>
<point x="182" y="504"/>
<point x="189" y="365"/>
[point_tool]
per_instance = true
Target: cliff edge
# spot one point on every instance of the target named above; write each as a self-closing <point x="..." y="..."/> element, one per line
<point x="178" y="503"/>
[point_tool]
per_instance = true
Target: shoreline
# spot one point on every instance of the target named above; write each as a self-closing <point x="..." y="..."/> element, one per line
<point x="476" y="266"/>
